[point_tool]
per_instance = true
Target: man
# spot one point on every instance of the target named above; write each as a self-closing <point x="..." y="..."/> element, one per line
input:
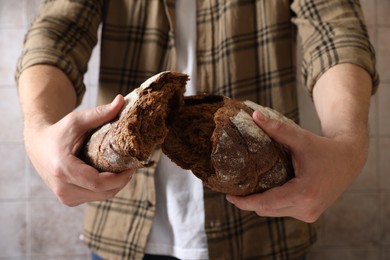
<point x="243" y="49"/>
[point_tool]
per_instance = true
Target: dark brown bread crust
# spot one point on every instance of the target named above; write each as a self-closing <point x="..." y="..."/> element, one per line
<point x="217" y="139"/>
<point x="128" y="141"/>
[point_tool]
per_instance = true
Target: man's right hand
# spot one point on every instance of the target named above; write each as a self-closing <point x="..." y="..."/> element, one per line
<point x="53" y="151"/>
<point x="54" y="135"/>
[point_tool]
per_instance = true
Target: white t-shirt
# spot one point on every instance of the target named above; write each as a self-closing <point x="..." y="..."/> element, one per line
<point x="178" y="226"/>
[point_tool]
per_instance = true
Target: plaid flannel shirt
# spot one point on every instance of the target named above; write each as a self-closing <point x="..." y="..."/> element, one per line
<point x="245" y="50"/>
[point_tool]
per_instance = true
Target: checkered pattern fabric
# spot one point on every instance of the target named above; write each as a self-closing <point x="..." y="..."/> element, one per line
<point x="245" y="50"/>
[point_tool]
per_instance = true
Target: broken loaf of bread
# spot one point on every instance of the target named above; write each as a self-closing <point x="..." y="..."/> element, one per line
<point x="213" y="136"/>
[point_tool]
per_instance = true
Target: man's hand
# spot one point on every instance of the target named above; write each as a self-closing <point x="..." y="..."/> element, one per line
<point x="53" y="151"/>
<point x="324" y="168"/>
<point x="326" y="165"/>
<point x="54" y="134"/>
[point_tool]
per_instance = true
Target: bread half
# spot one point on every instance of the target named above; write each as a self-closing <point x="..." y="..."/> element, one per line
<point x="217" y="139"/>
<point x="128" y="141"/>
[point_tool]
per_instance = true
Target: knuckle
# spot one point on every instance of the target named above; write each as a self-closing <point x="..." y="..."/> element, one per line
<point x="309" y="200"/>
<point x="311" y="216"/>
<point x="64" y="197"/>
<point x="111" y="194"/>
<point x="95" y="186"/>
<point x="262" y="208"/>
<point x="58" y="172"/>
<point x="100" y="111"/>
<point x="61" y="194"/>
<point x="70" y="203"/>
<point x="277" y="125"/>
<point x="308" y="197"/>
<point x="306" y="139"/>
<point x="93" y="183"/>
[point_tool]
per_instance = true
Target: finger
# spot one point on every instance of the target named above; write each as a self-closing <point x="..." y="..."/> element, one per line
<point x="267" y="202"/>
<point x="284" y="133"/>
<point x="283" y="201"/>
<point x="72" y="195"/>
<point x="100" y="115"/>
<point x="87" y="177"/>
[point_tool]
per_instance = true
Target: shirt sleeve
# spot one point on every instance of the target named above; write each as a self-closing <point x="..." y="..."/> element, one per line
<point x="63" y="35"/>
<point x="332" y="32"/>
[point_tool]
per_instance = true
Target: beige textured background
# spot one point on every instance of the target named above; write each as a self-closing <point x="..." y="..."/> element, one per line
<point x="33" y="225"/>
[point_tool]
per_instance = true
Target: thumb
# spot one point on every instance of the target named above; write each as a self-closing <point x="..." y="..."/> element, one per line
<point x="100" y="115"/>
<point x="281" y="131"/>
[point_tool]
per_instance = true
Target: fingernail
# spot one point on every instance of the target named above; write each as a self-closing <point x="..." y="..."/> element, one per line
<point x="115" y="101"/>
<point x="260" y="116"/>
